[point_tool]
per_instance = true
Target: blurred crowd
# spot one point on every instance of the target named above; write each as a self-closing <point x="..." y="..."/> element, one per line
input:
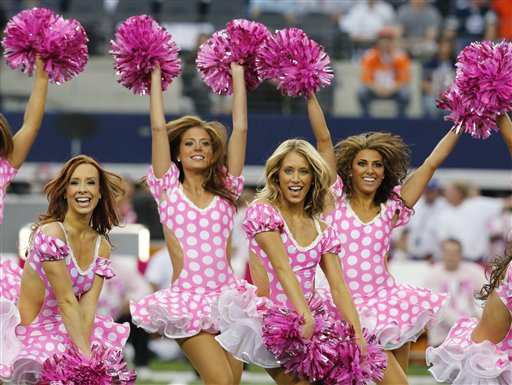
<point x="385" y="37"/>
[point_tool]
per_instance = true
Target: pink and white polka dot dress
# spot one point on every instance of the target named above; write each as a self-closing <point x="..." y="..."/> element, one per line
<point x="7" y="173"/>
<point x="242" y="335"/>
<point x="459" y="360"/>
<point x="396" y="313"/>
<point x="46" y="335"/>
<point x="10" y="279"/>
<point x="185" y="309"/>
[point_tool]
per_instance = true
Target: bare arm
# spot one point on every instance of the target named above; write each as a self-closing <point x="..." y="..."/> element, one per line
<point x="321" y="132"/>
<point x="160" y="148"/>
<point x="89" y="300"/>
<point x="416" y="184"/>
<point x="58" y="277"/>
<point x="331" y="267"/>
<point x="26" y="135"/>
<point x="505" y="126"/>
<point x="273" y="246"/>
<point x="238" y="139"/>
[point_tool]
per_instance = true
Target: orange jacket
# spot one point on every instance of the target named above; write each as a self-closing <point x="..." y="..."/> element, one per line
<point x="374" y="69"/>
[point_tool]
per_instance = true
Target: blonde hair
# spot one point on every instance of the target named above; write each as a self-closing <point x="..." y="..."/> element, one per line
<point x="320" y="189"/>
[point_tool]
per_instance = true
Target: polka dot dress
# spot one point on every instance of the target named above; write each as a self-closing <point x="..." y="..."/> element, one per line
<point x="185" y="308"/>
<point x="7" y="173"/>
<point x="10" y="279"/>
<point x="396" y="313"/>
<point x="243" y="338"/>
<point x="46" y="335"/>
<point x="461" y="361"/>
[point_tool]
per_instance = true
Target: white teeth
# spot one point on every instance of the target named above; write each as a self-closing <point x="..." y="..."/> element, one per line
<point x="295" y="188"/>
<point x="198" y="157"/>
<point x="369" y="179"/>
<point x="83" y="200"/>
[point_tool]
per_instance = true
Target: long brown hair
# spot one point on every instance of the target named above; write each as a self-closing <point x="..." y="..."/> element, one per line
<point x="215" y="173"/>
<point x="6" y="143"/>
<point x="395" y="156"/>
<point x="496" y="272"/>
<point x="105" y="215"/>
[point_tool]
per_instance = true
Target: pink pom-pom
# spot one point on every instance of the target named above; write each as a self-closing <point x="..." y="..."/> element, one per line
<point x="22" y="38"/>
<point x="305" y="359"/>
<point x="482" y="89"/>
<point x="63" y="49"/>
<point x="140" y="45"/>
<point x="237" y="43"/>
<point x="300" y="65"/>
<point x="104" y="367"/>
<point x="353" y="367"/>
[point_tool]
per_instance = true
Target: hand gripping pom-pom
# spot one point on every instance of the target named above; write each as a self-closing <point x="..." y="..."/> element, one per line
<point x="140" y="45"/>
<point x="305" y="359"/>
<point x="63" y="49"/>
<point x="22" y="38"/>
<point x="352" y="367"/>
<point x="237" y="43"/>
<point x="482" y="89"/>
<point x="104" y="367"/>
<point x="298" y="63"/>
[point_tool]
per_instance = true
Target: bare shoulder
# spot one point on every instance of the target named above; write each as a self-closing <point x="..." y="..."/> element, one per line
<point x="53" y="229"/>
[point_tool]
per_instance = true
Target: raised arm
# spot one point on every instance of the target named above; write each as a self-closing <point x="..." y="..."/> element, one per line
<point x="160" y="148"/>
<point x="238" y="139"/>
<point x="273" y="246"/>
<point x="321" y="132"/>
<point x="416" y="184"/>
<point x="26" y="135"/>
<point x="89" y="300"/>
<point x="330" y="265"/>
<point x="505" y="126"/>
<point x="58" y="277"/>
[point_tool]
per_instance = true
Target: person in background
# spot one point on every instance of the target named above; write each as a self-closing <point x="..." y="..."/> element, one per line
<point x="385" y="74"/>
<point x="460" y="280"/>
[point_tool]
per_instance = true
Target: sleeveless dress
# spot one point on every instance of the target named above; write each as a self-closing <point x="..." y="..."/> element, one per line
<point x="241" y="335"/>
<point x="396" y="313"/>
<point x="185" y="308"/>
<point x="30" y="345"/>
<point x="459" y="360"/>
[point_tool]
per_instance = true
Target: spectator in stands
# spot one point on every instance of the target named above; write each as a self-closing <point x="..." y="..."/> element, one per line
<point x="125" y="204"/>
<point x="193" y="86"/>
<point x="385" y="73"/>
<point x="336" y="9"/>
<point x="365" y="20"/>
<point x="503" y="10"/>
<point x="460" y="279"/>
<point x="467" y="218"/>
<point x="288" y="8"/>
<point x="470" y="21"/>
<point x="420" y="234"/>
<point x="419" y="24"/>
<point x="438" y="73"/>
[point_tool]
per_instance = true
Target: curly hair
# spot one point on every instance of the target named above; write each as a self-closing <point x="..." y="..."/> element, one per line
<point x="105" y="215"/>
<point x="496" y="272"/>
<point x="215" y="173"/>
<point x="395" y="156"/>
<point x="6" y="142"/>
<point x="322" y="178"/>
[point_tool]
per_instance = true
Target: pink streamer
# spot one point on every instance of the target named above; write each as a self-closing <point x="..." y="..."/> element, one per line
<point x="298" y="63"/>
<point x="482" y="89"/>
<point x="104" y="367"/>
<point x="140" y="45"/>
<point x="237" y="43"/>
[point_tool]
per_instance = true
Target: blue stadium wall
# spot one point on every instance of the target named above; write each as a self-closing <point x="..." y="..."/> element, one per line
<point x="125" y="138"/>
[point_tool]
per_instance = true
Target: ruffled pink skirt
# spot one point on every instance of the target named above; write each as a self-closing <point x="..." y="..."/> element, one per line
<point x="459" y="360"/>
